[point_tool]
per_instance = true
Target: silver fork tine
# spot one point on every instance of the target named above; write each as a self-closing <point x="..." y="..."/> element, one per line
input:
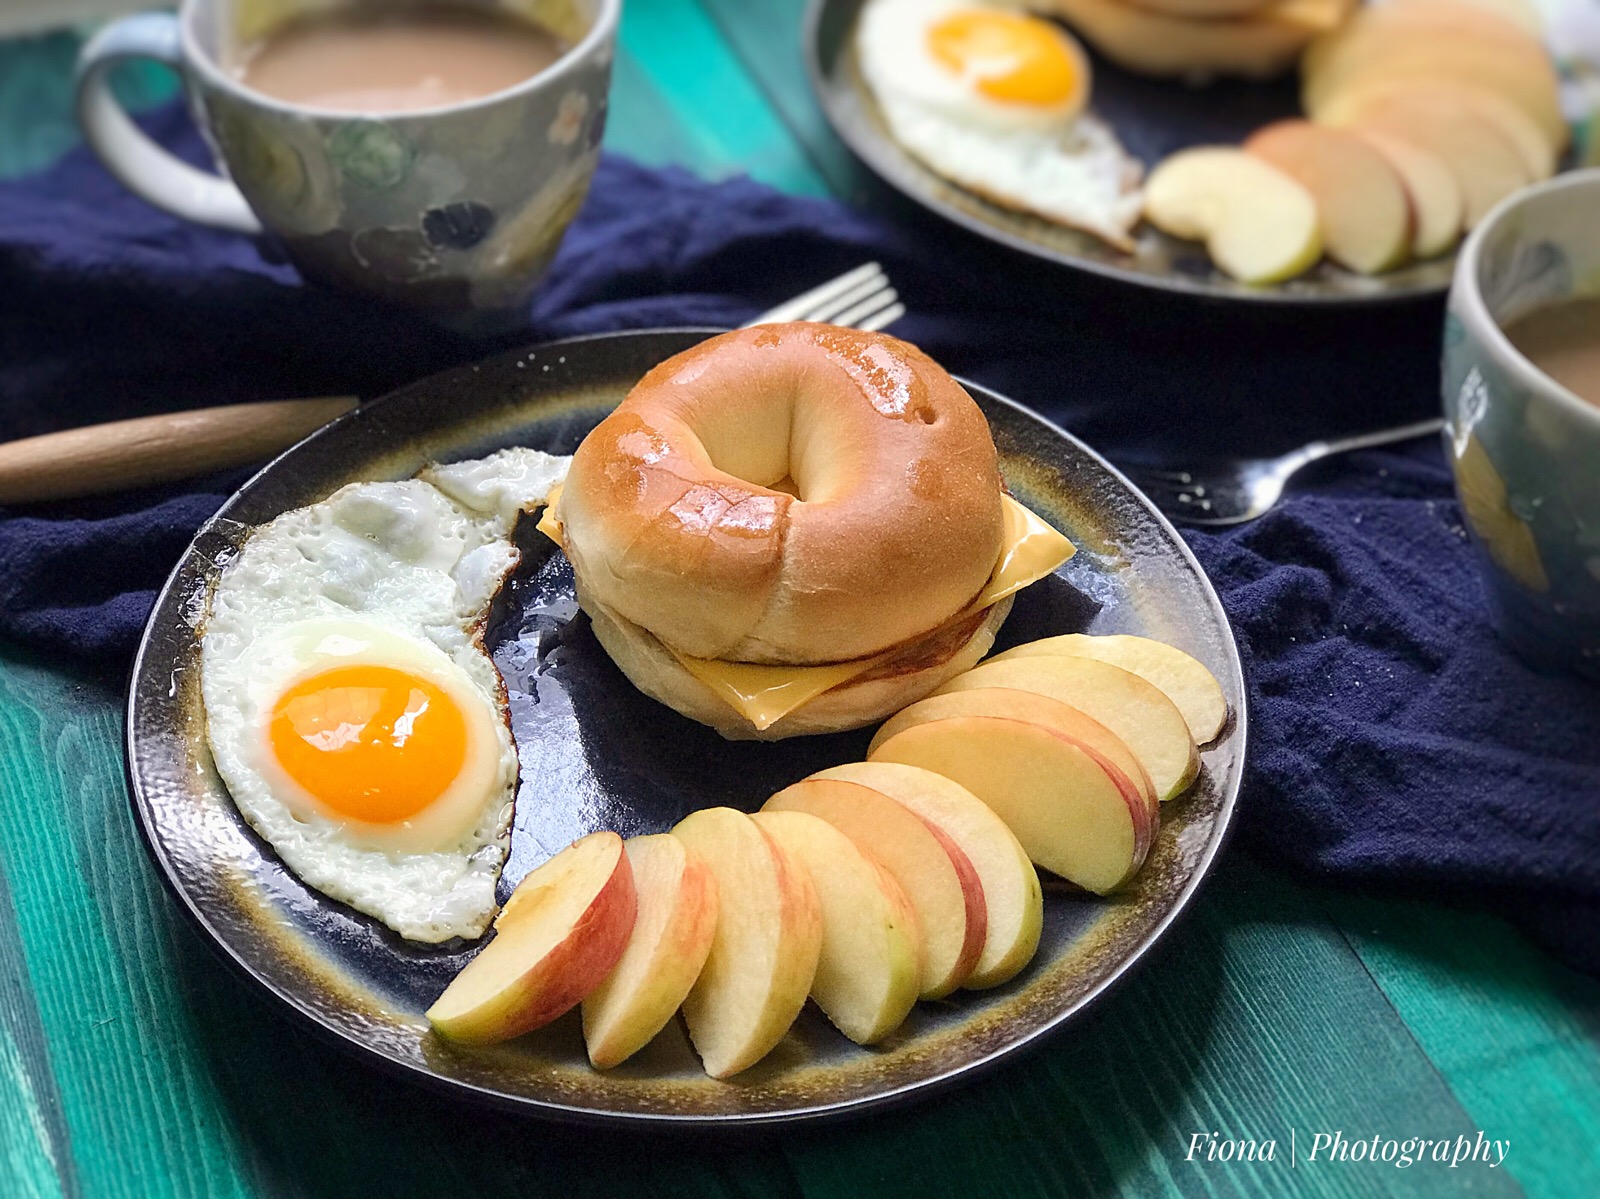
<point x="806" y="305"/>
<point x="888" y="316"/>
<point x="839" y="309"/>
<point x="856" y="315"/>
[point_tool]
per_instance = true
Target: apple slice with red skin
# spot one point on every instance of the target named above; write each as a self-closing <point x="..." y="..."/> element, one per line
<point x="1361" y="203"/>
<point x="1136" y="710"/>
<point x="1181" y="677"/>
<point x="1075" y="813"/>
<point x="1011" y="893"/>
<point x="1023" y="705"/>
<point x="561" y="932"/>
<point x="672" y="935"/>
<point x="764" y="952"/>
<point x="935" y="874"/>
<point x="870" y="968"/>
<point x="1437" y="206"/>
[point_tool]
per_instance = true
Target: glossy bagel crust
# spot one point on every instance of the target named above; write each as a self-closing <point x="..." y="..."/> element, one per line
<point x="791" y="494"/>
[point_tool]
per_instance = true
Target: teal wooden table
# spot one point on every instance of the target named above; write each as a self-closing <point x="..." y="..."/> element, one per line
<point x="132" y="1064"/>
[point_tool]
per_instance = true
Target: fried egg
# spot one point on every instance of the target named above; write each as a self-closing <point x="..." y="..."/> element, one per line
<point x="351" y="707"/>
<point x="993" y="99"/>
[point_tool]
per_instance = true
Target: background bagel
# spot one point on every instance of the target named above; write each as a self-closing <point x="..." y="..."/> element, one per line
<point x="791" y="494"/>
<point x="652" y="668"/>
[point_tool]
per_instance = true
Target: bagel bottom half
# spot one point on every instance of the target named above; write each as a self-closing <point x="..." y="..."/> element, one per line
<point x="903" y="676"/>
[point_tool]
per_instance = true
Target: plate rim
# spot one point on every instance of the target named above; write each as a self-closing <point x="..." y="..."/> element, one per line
<point x="698" y="1123"/>
<point x="869" y="153"/>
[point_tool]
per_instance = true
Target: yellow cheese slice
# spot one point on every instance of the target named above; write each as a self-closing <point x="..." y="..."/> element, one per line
<point x="763" y="694"/>
<point x="548" y="524"/>
<point x="1032" y="550"/>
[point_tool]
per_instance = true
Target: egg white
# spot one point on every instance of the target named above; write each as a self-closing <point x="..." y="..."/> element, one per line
<point x="1064" y="167"/>
<point x="394" y="573"/>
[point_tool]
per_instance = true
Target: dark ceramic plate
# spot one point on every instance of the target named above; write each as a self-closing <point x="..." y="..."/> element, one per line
<point x="1153" y="118"/>
<point x="597" y="754"/>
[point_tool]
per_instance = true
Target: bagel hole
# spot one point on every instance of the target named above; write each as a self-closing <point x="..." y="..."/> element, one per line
<point x="752" y="445"/>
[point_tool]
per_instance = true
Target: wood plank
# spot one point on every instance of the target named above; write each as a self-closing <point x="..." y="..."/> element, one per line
<point x="96" y="932"/>
<point x="37" y="124"/>
<point x="767" y="37"/>
<point x="734" y="128"/>
<point x="35" y="1154"/>
<point x="1516" y="1035"/>
<point x="1258" y="1018"/>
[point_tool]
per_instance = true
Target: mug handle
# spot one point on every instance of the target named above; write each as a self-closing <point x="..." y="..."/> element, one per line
<point x="142" y="166"/>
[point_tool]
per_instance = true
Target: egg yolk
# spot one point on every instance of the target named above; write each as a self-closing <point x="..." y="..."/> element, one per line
<point x="373" y="743"/>
<point x="1009" y="57"/>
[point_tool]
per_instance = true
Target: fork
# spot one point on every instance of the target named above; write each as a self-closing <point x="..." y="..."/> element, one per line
<point x="124" y="454"/>
<point x="858" y="299"/>
<point x="1231" y="491"/>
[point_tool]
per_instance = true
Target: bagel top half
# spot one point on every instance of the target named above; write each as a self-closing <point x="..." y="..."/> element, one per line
<point x="793" y="494"/>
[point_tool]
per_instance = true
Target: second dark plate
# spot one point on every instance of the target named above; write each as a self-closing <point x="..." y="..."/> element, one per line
<point x="1152" y="118"/>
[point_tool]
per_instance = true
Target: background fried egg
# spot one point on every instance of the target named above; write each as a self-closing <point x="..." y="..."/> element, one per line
<point x="351" y="707"/>
<point x="993" y="99"/>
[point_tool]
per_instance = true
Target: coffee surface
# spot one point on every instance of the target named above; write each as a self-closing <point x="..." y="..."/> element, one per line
<point x="1563" y="340"/>
<point x="395" y="60"/>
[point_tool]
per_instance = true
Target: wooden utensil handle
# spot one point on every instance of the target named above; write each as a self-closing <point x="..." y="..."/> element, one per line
<point x="156" y="449"/>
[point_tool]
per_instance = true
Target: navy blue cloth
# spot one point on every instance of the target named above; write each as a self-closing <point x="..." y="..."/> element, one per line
<point x="1396" y="741"/>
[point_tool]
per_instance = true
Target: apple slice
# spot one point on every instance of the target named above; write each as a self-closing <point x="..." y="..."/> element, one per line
<point x="1437" y="208"/>
<point x="1035" y="709"/>
<point x="1486" y="165"/>
<point x="1136" y="711"/>
<point x="1073" y="815"/>
<point x="1180" y="677"/>
<point x="1534" y="150"/>
<point x="1259" y="225"/>
<point x="764" y="953"/>
<point x="1427" y="39"/>
<point x="1011" y="894"/>
<point x="936" y="875"/>
<point x="870" y="969"/>
<point x="561" y="932"/>
<point x="671" y="938"/>
<point x="1521" y="13"/>
<point x="1361" y="203"/>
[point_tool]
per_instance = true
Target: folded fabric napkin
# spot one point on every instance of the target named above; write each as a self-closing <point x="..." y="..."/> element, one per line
<point x="1395" y="740"/>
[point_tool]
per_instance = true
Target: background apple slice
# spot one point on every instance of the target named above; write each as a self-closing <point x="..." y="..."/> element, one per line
<point x="1535" y="152"/>
<point x="1011" y="893"/>
<point x="870" y="969"/>
<point x="1140" y="715"/>
<point x="672" y="934"/>
<point x="1259" y="225"/>
<point x="1429" y="39"/>
<point x="1035" y="709"/>
<point x="1179" y="676"/>
<point x="561" y="932"/>
<point x="1361" y="203"/>
<point x="934" y="872"/>
<point x="1486" y="165"/>
<point x="1065" y="807"/>
<point x="1437" y="209"/>
<point x="764" y="953"/>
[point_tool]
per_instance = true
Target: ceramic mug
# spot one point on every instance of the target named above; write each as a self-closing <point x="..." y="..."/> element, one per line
<point x="1525" y="450"/>
<point x="456" y="209"/>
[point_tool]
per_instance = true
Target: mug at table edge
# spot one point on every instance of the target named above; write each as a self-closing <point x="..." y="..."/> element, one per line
<point x="1524" y="449"/>
<point x="455" y="209"/>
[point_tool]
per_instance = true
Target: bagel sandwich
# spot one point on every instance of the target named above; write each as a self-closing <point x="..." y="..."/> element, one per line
<point x="795" y="529"/>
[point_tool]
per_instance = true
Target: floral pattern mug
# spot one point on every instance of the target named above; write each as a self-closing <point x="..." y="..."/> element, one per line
<point x="1525" y="450"/>
<point x="457" y="210"/>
